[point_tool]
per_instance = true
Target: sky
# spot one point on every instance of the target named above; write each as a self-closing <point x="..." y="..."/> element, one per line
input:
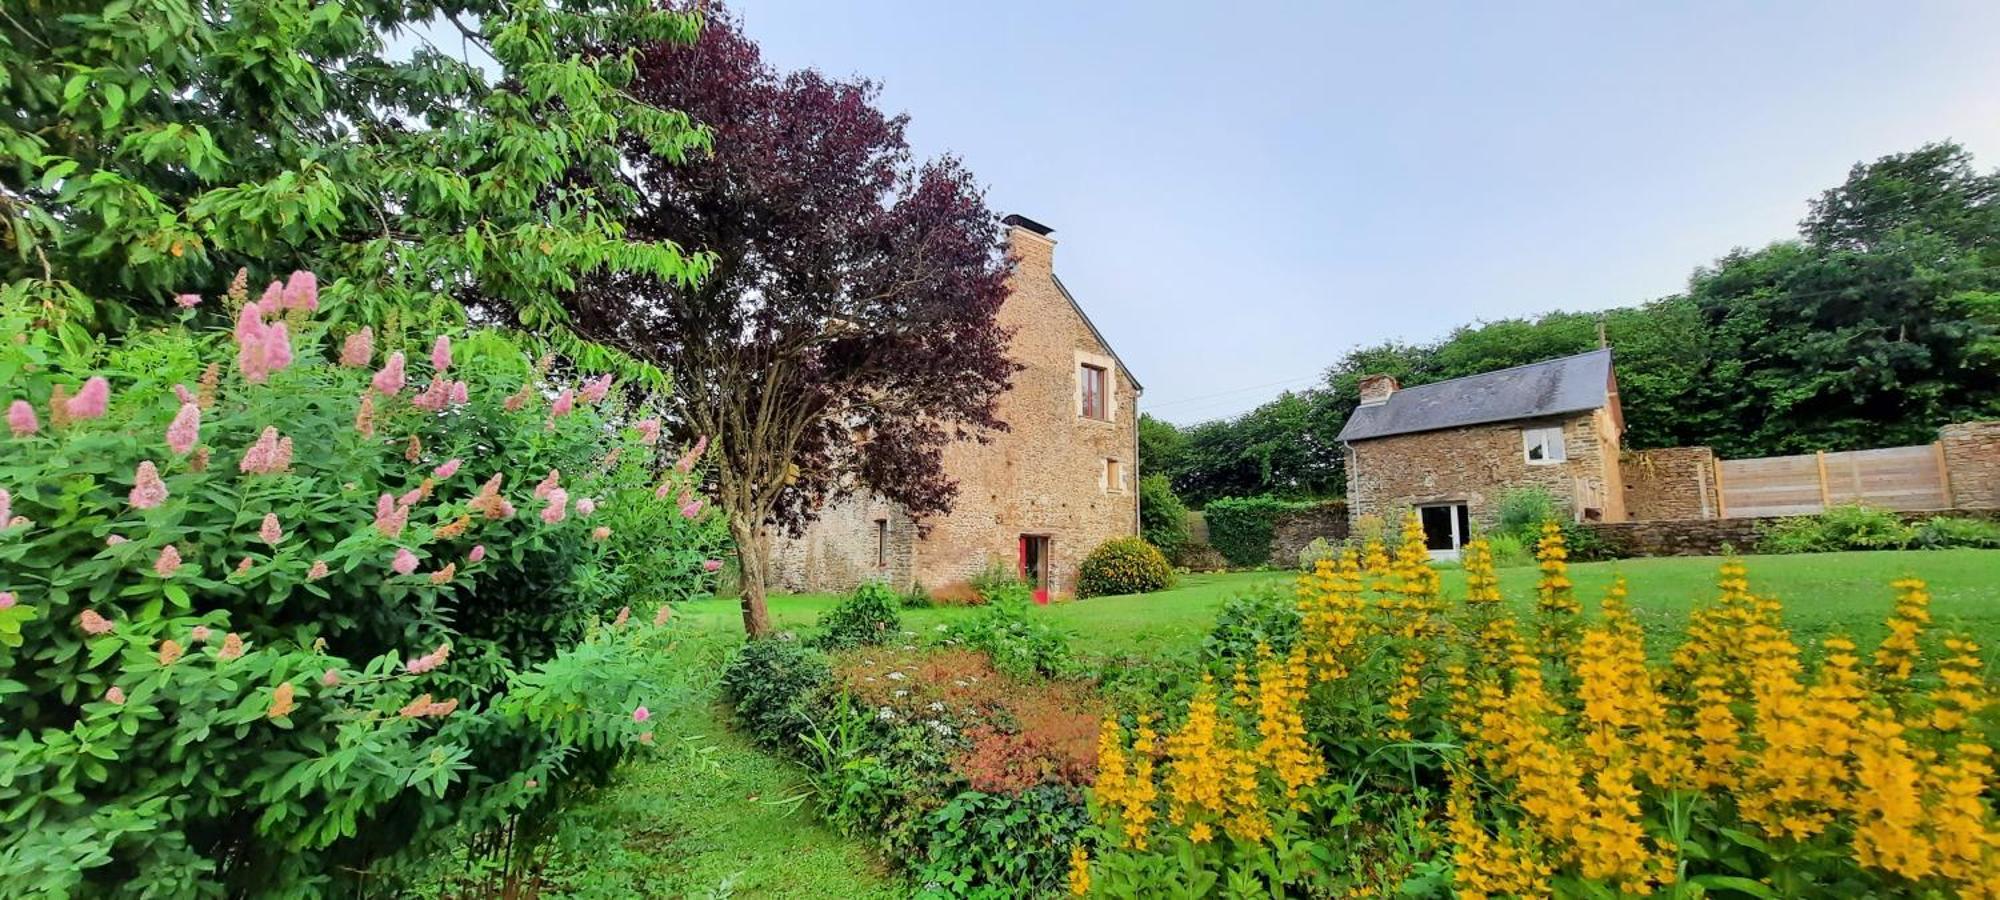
<point x="1242" y="192"/>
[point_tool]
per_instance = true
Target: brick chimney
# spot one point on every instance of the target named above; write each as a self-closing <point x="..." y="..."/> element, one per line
<point x="1377" y="388"/>
<point x="1029" y="243"/>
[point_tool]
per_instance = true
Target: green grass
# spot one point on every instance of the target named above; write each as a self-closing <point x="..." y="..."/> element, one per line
<point x="1822" y="592"/>
<point x="711" y="815"/>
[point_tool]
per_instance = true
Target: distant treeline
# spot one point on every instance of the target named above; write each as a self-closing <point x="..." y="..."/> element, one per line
<point x="1877" y="324"/>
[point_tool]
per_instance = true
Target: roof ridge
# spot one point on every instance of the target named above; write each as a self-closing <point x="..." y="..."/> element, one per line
<point x="1542" y="362"/>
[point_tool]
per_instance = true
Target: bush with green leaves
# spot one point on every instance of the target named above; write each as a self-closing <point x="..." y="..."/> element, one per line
<point x="1523" y="510"/>
<point x="1126" y="565"/>
<point x="1020" y="643"/>
<point x="1849" y="527"/>
<point x="1510" y="551"/>
<point x="1317" y="551"/>
<point x="864" y="618"/>
<point x="273" y="620"/>
<point x="1162" y="515"/>
<point x="1946" y="532"/>
<point x="1241" y="528"/>
<point x="998" y="581"/>
<point x="778" y="686"/>
<point x="995" y="845"/>
<point x="1267" y="616"/>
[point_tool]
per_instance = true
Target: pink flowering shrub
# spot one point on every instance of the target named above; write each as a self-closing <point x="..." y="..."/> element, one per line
<point x="199" y="555"/>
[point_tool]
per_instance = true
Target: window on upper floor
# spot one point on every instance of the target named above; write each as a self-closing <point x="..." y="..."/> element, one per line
<point x="1096" y="403"/>
<point x="1543" y="446"/>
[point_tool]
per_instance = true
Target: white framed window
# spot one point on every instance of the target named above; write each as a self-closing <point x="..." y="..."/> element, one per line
<point x="1543" y="446"/>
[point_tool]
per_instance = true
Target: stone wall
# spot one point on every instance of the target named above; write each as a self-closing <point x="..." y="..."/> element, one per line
<point x="1046" y="475"/>
<point x="1713" y="537"/>
<point x="1972" y="461"/>
<point x="843" y="549"/>
<point x="1477" y="464"/>
<point x="1670" y="483"/>
<point x="1296" y="528"/>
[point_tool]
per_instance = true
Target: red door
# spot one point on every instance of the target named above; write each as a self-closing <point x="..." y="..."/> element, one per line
<point x="1035" y="566"/>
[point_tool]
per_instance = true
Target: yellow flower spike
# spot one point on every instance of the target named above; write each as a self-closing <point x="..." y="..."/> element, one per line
<point x="1896" y="658"/>
<point x="1079" y="871"/>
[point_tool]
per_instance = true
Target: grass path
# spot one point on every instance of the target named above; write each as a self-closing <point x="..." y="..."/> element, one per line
<point x="713" y="817"/>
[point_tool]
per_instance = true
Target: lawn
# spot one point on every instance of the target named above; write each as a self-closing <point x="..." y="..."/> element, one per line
<point x="1822" y="592"/>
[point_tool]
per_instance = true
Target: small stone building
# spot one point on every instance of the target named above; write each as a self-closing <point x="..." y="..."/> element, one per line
<point x="1452" y="449"/>
<point x="1034" y="499"/>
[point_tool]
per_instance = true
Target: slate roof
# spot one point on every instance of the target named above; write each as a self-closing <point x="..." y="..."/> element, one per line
<point x="1551" y="387"/>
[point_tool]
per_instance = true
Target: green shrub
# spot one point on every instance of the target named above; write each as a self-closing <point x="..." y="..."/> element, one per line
<point x="1162" y="516"/>
<point x="1241" y="527"/>
<point x="864" y="618"/>
<point x="1267" y="616"/>
<point x="1945" y="532"/>
<point x="1318" y="551"/>
<point x="1125" y="565"/>
<point x="778" y="686"/>
<point x="227" y="670"/>
<point x="1020" y="643"/>
<point x="997" y="581"/>
<point x="1367" y="529"/>
<point x="1583" y="543"/>
<point x="918" y="597"/>
<point x="997" y="845"/>
<point x="1510" y="551"/>
<point x="1838" y="528"/>
<point x="1523" y="510"/>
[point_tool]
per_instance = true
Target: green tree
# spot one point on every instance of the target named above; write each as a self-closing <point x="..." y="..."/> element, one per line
<point x="1162" y="515"/>
<point x="1161" y="446"/>
<point x="156" y="146"/>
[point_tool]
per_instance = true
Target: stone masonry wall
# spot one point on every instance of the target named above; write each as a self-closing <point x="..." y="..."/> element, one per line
<point x="1972" y="460"/>
<point x="1712" y="537"/>
<point x="1670" y="483"/>
<point x="1294" y="529"/>
<point x="1045" y="475"/>
<point x="1477" y="464"/>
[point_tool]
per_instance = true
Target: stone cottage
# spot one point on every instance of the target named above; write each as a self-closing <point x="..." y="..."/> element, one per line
<point x="1452" y="449"/>
<point x="1034" y="499"/>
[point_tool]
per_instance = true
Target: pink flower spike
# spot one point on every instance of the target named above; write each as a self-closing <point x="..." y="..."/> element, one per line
<point x="711" y="565"/>
<point x="410" y="497"/>
<point x="302" y="291"/>
<point x="277" y="347"/>
<point x="558" y="508"/>
<point x="548" y="484"/>
<point x="565" y="402"/>
<point x="273" y="301"/>
<point x="115" y="697"/>
<point x="390" y="517"/>
<point x="94" y="624"/>
<point x="478" y="554"/>
<point x="641" y="714"/>
<point x="444" y="472"/>
<point x="441" y="354"/>
<point x="595" y="389"/>
<point x="624" y="615"/>
<point x="21" y="419"/>
<point x="270" y="454"/>
<point x="665" y="612"/>
<point x="148" y="490"/>
<point x="405" y="563"/>
<point x="649" y="431"/>
<point x="7" y="600"/>
<point x="6" y="507"/>
<point x="691" y="509"/>
<point x="91" y="401"/>
<point x="113" y="540"/>
<point x="461" y="393"/>
<point x="187" y="301"/>
<point x="318" y="570"/>
<point x="185" y="431"/>
<point x="390" y="380"/>
<point x="271" y="533"/>
<point x="184" y="395"/>
<point x="199" y="634"/>
<point x="585" y="507"/>
<point x="434" y="397"/>
<point x="600" y="533"/>
<point x="330" y="679"/>
<point x="358" y="349"/>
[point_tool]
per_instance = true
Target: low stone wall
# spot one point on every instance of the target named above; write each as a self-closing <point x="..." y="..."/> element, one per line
<point x="1669" y="483"/>
<point x="1972" y="459"/>
<point x="1714" y="537"/>
<point x="1296" y="528"/>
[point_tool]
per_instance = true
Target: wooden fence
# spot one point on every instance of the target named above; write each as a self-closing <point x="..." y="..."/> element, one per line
<point x="1901" y="478"/>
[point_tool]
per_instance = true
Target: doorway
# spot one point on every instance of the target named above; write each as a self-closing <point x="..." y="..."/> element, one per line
<point x="1035" y="565"/>
<point x="1447" y="526"/>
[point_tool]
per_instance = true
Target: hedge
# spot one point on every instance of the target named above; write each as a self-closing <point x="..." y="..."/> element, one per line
<point x="1240" y="528"/>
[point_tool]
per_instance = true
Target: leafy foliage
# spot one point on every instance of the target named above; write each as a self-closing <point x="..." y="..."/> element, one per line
<point x="1850" y="527"/>
<point x="1162" y="516"/>
<point x="853" y="295"/>
<point x="157" y="144"/>
<point x="1267" y="617"/>
<point x="1020" y="644"/>
<point x="778" y="687"/>
<point x="1241" y="527"/>
<point x="864" y="618"/>
<point x="1945" y="532"/>
<point x="1523" y="510"/>
<point x="1126" y="565"/>
<point x="269" y="628"/>
<point x="1001" y="845"/>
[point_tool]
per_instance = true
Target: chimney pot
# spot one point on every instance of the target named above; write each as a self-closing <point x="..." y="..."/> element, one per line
<point x="1377" y="388"/>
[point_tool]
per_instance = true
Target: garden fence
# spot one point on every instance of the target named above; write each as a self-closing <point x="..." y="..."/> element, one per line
<point x="1899" y="478"/>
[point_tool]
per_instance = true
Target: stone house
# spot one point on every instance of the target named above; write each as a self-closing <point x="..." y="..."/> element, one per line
<point x="1452" y="449"/>
<point x="1034" y="499"/>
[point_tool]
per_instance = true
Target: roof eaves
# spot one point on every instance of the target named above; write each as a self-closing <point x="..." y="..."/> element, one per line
<point x="1094" y="332"/>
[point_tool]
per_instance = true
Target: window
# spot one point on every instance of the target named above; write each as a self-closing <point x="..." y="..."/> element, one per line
<point x="1096" y="405"/>
<point x="1114" y="476"/>
<point x="882" y="543"/>
<point x="1542" y="446"/>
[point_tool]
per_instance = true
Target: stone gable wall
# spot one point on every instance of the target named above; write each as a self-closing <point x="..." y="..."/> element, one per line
<point x="1670" y="483"/>
<point x="1972" y="462"/>
<point x="1477" y="464"/>
<point x="839" y="552"/>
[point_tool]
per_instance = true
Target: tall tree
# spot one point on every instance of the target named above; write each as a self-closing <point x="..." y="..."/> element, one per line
<point x="847" y="332"/>
<point x="1933" y="190"/>
<point x="152" y="147"/>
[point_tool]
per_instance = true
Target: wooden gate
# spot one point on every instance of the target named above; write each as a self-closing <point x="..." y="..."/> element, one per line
<point x="1901" y="478"/>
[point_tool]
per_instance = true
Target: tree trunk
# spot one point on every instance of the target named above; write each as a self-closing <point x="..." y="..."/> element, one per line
<point x="753" y="554"/>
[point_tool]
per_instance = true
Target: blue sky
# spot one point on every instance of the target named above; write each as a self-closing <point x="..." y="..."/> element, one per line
<point x="1244" y="191"/>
